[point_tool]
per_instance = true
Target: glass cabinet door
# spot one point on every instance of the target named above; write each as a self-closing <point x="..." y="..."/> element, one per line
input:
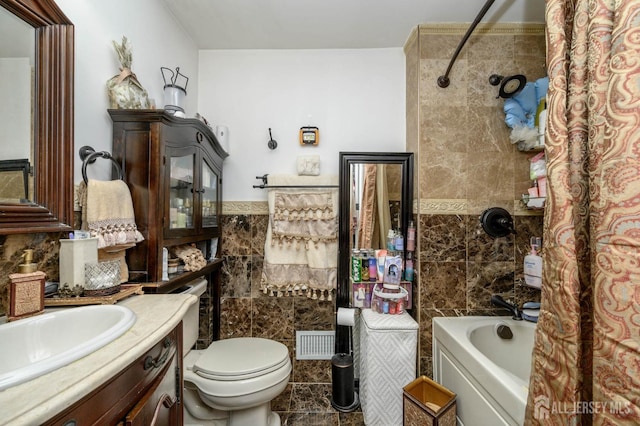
<point x="209" y="194"/>
<point x="181" y="190"/>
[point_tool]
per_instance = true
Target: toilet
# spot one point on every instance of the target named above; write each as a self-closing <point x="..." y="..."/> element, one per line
<point x="233" y="381"/>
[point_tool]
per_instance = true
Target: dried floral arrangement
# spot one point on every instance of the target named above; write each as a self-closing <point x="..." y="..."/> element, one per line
<point x="124" y="89"/>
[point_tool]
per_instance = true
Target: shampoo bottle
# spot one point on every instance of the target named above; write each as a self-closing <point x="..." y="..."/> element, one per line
<point x="533" y="265"/>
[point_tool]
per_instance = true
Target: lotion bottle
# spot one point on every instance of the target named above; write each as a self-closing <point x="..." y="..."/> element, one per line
<point x="533" y="265"/>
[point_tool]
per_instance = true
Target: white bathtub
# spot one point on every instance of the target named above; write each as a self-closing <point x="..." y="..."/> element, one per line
<point x="490" y="375"/>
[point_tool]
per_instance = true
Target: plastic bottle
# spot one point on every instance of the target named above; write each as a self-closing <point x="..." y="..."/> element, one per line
<point x="533" y="265"/>
<point x="373" y="266"/>
<point x="411" y="237"/>
<point x="408" y="267"/>
<point x="391" y="236"/>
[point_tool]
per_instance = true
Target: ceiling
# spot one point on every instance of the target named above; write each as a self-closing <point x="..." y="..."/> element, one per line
<point x="331" y="24"/>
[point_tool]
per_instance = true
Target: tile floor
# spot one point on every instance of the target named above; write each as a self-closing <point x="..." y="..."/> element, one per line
<point x="309" y="404"/>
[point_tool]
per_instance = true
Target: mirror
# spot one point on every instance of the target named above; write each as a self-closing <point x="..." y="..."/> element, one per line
<point x="374" y="209"/>
<point x="376" y="194"/>
<point x="48" y="204"/>
<point x="17" y="61"/>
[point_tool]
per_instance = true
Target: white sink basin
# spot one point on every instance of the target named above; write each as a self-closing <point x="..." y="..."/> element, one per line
<point x="38" y="345"/>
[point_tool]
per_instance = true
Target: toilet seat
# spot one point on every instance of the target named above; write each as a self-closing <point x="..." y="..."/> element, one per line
<point x="238" y="368"/>
<point x="240" y="359"/>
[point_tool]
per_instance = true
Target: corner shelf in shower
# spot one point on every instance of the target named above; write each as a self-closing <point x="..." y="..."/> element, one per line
<point x="533" y="203"/>
<point x="538" y="287"/>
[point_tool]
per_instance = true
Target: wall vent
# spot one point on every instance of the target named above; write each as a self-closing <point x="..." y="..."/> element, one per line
<point x="315" y="344"/>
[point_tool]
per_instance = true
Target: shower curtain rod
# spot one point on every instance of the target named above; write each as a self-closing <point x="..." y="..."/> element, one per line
<point x="443" y="80"/>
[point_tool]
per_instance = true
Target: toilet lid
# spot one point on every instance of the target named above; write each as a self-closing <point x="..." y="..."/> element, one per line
<point x="241" y="358"/>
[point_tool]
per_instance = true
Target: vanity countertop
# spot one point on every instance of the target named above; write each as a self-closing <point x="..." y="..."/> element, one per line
<point x="40" y="399"/>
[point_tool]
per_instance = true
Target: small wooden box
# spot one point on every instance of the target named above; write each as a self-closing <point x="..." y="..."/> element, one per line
<point x="26" y="295"/>
<point x="427" y="403"/>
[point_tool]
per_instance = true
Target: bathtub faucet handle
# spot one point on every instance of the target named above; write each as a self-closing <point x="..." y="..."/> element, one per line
<point x="497" y="300"/>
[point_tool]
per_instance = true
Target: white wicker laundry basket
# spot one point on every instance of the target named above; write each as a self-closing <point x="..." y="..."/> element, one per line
<point x="388" y="350"/>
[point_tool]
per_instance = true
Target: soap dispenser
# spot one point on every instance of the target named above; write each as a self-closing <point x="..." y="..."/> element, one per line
<point x="28" y="264"/>
<point x="533" y="265"/>
<point x="26" y="289"/>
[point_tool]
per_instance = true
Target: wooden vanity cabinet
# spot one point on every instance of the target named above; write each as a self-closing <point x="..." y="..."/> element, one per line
<point x="160" y="406"/>
<point x="147" y="392"/>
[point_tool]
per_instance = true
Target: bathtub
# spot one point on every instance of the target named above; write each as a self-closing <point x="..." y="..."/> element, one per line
<point x="490" y="375"/>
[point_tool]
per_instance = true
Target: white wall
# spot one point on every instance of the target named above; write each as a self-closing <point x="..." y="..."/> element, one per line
<point x="156" y="41"/>
<point x="15" y="108"/>
<point x="355" y="97"/>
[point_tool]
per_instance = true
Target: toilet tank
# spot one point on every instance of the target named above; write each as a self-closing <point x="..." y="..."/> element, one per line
<point x="191" y="322"/>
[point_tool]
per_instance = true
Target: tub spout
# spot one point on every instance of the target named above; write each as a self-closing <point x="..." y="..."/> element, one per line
<point x="497" y="300"/>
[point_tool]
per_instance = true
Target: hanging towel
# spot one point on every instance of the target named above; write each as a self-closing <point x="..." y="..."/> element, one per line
<point x="301" y="248"/>
<point x="107" y="212"/>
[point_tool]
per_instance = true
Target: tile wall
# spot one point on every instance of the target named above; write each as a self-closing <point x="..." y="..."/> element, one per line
<point x="246" y="311"/>
<point x="45" y="253"/>
<point x="465" y="163"/>
<point x="46" y="248"/>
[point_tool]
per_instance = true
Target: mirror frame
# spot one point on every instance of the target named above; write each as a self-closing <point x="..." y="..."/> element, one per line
<point x="52" y="206"/>
<point x="405" y="159"/>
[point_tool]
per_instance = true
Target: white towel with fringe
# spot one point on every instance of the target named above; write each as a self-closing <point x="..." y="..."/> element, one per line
<point x="301" y="248"/>
<point x="107" y="212"/>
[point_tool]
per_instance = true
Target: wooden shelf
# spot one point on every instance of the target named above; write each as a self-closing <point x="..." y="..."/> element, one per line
<point x="180" y="279"/>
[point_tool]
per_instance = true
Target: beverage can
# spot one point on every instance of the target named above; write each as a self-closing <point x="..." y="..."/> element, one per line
<point x="356" y="265"/>
<point x="364" y="266"/>
<point x="373" y="267"/>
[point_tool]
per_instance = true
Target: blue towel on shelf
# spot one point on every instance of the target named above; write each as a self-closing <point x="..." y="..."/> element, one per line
<point x="520" y="110"/>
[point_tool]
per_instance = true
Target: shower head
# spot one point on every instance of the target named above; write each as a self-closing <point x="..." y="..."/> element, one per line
<point x="509" y="86"/>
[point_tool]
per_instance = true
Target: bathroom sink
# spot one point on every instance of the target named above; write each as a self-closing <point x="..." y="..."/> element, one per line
<point x="38" y="345"/>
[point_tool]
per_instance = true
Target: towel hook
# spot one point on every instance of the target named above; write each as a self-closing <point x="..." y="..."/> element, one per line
<point x="89" y="156"/>
<point x="272" y="144"/>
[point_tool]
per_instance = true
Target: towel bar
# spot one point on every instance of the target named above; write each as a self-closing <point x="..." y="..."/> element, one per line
<point x="265" y="185"/>
<point x="89" y="155"/>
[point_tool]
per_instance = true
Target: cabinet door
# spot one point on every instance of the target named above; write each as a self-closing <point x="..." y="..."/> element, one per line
<point x="160" y="406"/>
<point x="182" y="193"/>
<point x="209" y="194"/>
